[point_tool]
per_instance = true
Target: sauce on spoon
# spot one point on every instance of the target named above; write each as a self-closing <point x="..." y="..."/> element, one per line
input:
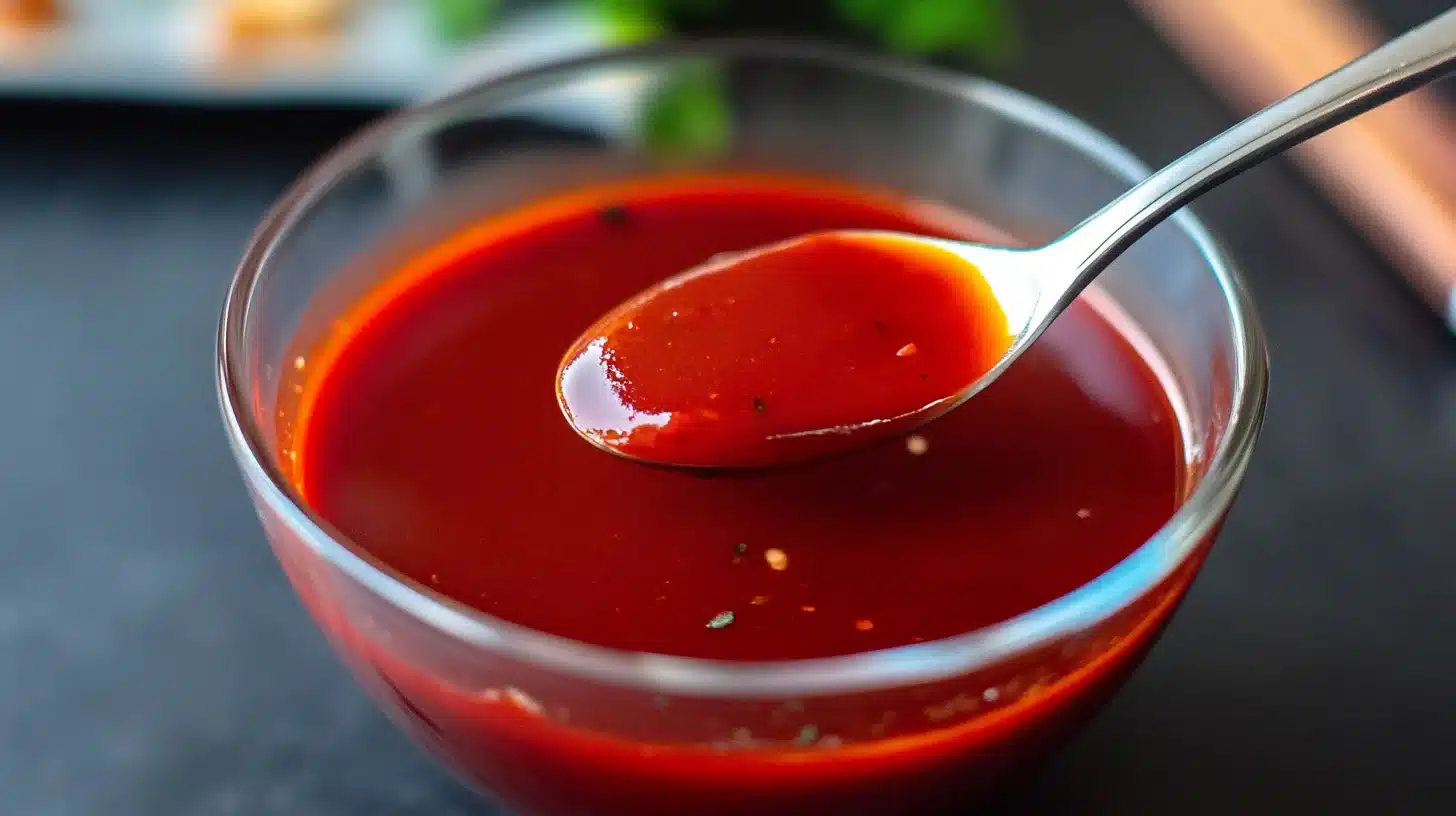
<point x="801" y="350"/>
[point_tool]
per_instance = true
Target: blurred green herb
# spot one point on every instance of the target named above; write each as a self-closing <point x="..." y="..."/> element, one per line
<point x="979" y="29"/>
<point x="631" y="21"/>
<point x="664" y="9"/>
<point x="688" y="117"/>
<point x="983" y="31"/>
<point x="461" y="20"/>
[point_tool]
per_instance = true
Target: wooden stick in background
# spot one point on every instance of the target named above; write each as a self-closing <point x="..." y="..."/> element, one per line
<point x="1392" y="171"/>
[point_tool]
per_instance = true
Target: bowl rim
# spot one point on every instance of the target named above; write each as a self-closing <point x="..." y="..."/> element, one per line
<point x="1114" y="590"/>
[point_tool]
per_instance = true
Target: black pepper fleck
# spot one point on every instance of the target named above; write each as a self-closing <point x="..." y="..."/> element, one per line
<point x="615" y="215"/>
<point x="759" y="405"/>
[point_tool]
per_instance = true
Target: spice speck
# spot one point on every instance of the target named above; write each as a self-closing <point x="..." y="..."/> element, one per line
<point x="759" y="600"/>
<point x="1084" y="513"/>
<point x="906" y="350"/>
<point x="777" y="558"/>
<point x="759" y="405"/>
<point x="614" y="215"/>
<point x="524" y="701"/>
<point x="917" y="444"/>
<point x="864" y="625"/>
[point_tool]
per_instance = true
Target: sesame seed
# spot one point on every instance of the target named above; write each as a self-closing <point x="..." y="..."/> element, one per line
<point x="906" y="350"/>
<point x="523" y="701"/>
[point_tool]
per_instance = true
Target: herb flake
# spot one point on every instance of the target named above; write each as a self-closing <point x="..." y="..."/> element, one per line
<point x="807" y="735"/>
<point x="720" y="620"/>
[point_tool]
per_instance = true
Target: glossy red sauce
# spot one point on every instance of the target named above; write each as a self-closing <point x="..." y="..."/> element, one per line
<point x="803" y="349"/>
<point x="429" y="433"/>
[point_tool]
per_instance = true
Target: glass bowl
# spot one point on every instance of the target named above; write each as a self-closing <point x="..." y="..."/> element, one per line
<point x="554" y="726"/>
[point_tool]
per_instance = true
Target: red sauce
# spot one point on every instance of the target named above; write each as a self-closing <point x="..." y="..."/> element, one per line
<point x="804" y="349"/>
<point x="429" y="433"/>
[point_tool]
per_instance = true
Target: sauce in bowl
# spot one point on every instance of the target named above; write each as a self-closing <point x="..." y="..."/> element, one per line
<point x="429" y="434"/>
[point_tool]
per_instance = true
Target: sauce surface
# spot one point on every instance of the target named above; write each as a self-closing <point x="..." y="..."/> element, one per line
<point x="789" y="352"/>
<point x="431" y="436"/>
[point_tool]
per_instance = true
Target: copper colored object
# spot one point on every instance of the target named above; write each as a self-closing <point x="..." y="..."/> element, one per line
<point x="1392" y="171"/>
<point x="28" y="12"/>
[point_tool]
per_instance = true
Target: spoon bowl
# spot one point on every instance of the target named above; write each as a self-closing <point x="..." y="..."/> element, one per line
<point x="726" y="365"/>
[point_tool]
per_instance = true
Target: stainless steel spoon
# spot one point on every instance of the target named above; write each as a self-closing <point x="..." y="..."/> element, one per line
<point x="1033" y="286"/>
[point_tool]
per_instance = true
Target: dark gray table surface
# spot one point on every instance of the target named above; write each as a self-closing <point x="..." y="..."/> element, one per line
<point x="153" y="661"/>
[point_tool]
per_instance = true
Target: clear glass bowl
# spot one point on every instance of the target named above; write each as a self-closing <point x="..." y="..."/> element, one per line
<point x="555" y="726"/>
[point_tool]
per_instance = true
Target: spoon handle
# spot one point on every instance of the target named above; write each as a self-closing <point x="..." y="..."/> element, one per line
<point x="1419" y="56"/>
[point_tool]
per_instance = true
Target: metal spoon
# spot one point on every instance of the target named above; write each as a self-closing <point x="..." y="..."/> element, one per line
<point x="1032" y="286"/>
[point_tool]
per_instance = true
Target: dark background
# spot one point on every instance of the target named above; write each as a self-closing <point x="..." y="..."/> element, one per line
<point x="153" y="661"/>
